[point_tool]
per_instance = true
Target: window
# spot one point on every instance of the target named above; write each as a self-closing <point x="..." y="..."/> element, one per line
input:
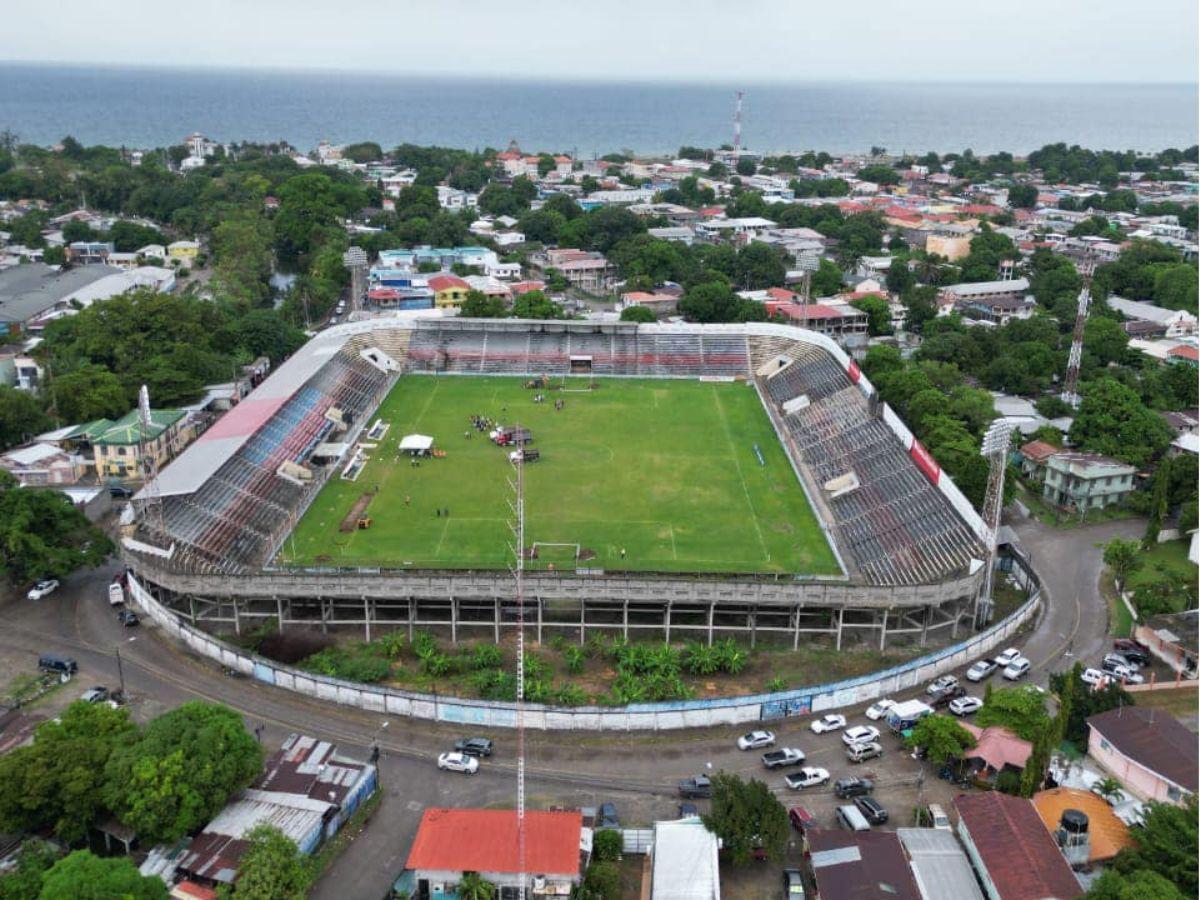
<point x="1105" y="745"/>
<point x="1174" y="794"/>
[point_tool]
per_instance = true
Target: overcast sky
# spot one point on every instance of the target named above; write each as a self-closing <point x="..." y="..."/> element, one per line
<point x="711" y="40"/>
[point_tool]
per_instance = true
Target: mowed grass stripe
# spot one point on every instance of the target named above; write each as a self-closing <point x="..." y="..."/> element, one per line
<point x="662" y="469"/>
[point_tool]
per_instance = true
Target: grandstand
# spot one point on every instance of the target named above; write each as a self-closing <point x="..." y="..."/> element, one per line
<point x="903" y="533"/>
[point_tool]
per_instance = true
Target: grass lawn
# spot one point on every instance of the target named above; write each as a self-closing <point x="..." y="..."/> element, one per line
<point x="1170" y="557"/>
<point x="1179" y="702"/>
<point x="664" y="470"/>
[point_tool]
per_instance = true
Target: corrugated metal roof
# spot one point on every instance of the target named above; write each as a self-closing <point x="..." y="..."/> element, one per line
<point x="939" y="864"/>
<point x="860" y="866"/>
<point x="685" y="862"/>
<point x="485" y="840"/>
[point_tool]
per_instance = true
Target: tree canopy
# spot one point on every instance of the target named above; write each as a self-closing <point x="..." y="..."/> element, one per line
<point x="1022" y="710"/>
<point x="43" y="534"/>
<point x="272" y="868"/>
<point x="745" y="815"/>
<point x="84" y="876"/>
<point x="1113" y="420"/>
<point x="942" y="738"/>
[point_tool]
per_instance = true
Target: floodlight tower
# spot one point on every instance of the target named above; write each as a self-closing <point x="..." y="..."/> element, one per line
<point x="355" y="259"/>
<point x="737" y="123"/>
<point x="152" y="514"/>
<point x="995" y="450"/>
<point x="518" y="528"/>
<point x="1070" y="391"/>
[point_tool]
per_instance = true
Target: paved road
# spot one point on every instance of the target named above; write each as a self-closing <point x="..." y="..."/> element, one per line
<point x="636" y="771"/>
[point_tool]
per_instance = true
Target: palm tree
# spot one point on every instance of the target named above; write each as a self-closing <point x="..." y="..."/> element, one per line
<point x="1110" y="789"/>
<point x="473" y="887"/>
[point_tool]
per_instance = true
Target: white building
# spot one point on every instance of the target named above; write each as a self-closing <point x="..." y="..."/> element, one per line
<point x="1177" y="322"/>
<point x="684" y="862"/>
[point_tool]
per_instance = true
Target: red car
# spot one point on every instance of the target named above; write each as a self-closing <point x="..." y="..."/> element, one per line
<point x="801" y="819"/>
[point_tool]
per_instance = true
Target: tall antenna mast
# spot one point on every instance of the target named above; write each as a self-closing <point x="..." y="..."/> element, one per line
<point x="1070" y="391"/>
<point x="737" y="123"/>
<point x="518" y="527"/>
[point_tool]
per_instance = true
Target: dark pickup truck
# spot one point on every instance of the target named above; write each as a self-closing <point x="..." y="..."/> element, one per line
<point x="691" y="788"/>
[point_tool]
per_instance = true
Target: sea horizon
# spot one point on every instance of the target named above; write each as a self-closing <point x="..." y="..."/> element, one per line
<point x="116" y="104"/>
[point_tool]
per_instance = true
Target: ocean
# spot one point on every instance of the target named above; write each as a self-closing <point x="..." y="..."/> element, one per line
<point x="145" y="107"/>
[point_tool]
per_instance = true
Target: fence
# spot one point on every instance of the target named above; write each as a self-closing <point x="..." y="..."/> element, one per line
<point x="637" y="717"/>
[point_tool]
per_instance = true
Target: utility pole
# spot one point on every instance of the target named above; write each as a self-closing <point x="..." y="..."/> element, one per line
<point x="120" y="672"/>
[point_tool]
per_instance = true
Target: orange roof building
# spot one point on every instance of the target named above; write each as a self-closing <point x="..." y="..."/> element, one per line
<point x="1107" y="835"/>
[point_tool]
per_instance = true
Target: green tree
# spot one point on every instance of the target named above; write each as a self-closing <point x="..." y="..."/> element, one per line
<point x="879" y="174"/>
<point x="56" y="782"/>
<point x="24" y="880"/>
<point x="479" y="305"/>
<point x="602" y="881"/>
<point x="1141" y="884"/>
<point x="607" y="845"/>
<point x="536" y="305"/>
<point x="1166" y="844"/>
<point x="745" y="815"/>
<point x="920" y="303"/>
<point x="879" y="314"/>
<point x="1104" y="339"/>
<point x="272" y="868"/>
<point x="1022" y="710"/>
<point x="89" y="392"/>
<point x="85" y="876"/>
<point x="54" y="256"/>
<point x="1086" y="703"/>
<point x="1034" y="773"/>
<point x="21" y="417"/>
<point x="745" y="166"/>
<point x="760" y="266"/>
<point x="243" y="260"/>
<point x="1124" y="558"/>
<point x="1112" y="420"/>
<point x="942" y="737"/>
<point x="637" y="313"/>
<point x="827" y="279"/>
<point x="900" y="277"/>
<point x="363" y="152"/>
<point x="181" y="770"/>
<point x="42" y="534"/>
<point x="1022" y="196"/>
<point x="263" y="332"/>
<point x="1108" y="788"/>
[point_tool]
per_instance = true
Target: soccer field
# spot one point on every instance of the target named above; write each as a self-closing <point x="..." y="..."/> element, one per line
<point x="647" y="475"/>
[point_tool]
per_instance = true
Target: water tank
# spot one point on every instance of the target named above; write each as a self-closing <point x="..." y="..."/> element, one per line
<point x="1074" y="822"/>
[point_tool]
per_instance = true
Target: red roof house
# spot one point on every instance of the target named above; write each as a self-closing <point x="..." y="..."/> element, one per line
<point x="450" y="842"/>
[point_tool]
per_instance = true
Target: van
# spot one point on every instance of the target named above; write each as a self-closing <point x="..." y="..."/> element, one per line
<point x="52" y="662"/>
<point x="851" y="819"/>
<point x="116" y="594"/>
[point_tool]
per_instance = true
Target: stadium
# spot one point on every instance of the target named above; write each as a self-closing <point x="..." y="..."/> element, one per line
<point x="683" y="480"/>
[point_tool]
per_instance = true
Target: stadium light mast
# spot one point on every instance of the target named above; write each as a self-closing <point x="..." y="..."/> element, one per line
<point x="152" y="512"/>
<point x="518" y="527"/>
<point x="355" y="259"/>
<point x="737" y="123"/>
<point x="995" y="450"/>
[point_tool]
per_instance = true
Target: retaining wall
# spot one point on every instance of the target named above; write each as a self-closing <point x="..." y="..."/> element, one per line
<point x="638" y="717"/>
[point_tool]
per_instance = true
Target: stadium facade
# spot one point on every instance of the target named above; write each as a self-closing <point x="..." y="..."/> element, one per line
<point x="208" y="530"/>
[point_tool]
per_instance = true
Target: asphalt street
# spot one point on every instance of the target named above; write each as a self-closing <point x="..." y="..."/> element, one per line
<point x="638" y="772"/>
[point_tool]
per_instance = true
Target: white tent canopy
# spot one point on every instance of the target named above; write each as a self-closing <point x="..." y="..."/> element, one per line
<point x="416" y="443"/>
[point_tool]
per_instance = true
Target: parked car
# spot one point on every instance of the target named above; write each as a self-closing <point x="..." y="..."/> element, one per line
<point x="1133" y="650"/>
<point x="831" y="722"/>
<point x="116" y="594"/>
<point x="879" y="709"/>
<point x="1093" y="677"/>
<point x="872" y="809"/>
<point x="801" y="819"/>
<point x="793" y="884"/>
<point x="128" y="618"/>
<point x="607" y="816"/>
<point x="63" y="665"/>
<point x="937" y="818"/>
<point x="1016" y="669"/>
<point x="853" y="787"/>
<point x="941" y="685"/>
<point x="475" y="746"/>
<point x="688" y="810"/>
<point x="118" y="492"/>
<point x="787" y="756"/>
<point x="809" y="776"/>
<point x="981" y="670"/>
<point x="458" y="762"/>
<point x="1120" y="659"/>
<point x="964" y="706"/>
<point x="948" y="696"/>
<point x="42" y="589"/>
<point x="857" y="753"/>
<point x="756" y="739"/>
<point x="1007" y="656"/>
<point x="96" y="694"/>
<point x="699" y="786"/>
<point x="860" y="734"/>
<point x="1122" y="673"/>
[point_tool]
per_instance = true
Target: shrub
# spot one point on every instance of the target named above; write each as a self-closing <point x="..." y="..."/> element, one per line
<point x="701" y="659"/>
<point x="607" y="845"/>
<point x="293" y="646"/>
<point x="603" y="881"/>
<point x="437" y="664"/>
<point x="348" y="665"/>
<point x="573" y="657"/>
<point x="535" y="668"/>
<point x="570" y="695"/>
<point x="486" y="656"/>
<point x="424" y="644"/>
<point x="392" y="644"/>
<point x="733" y="658"/>
<point x="776" y="684"/>
<point x="1008" y="782"/>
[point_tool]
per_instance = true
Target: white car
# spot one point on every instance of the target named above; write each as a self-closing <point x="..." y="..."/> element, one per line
<point x="458" y="762"/>
<point x="1005" y="658"/>
<point x="756" y="739"/>
<point x="1125" y="674"/>
<point x="1016" y="669"/>
<point x="1093" y="677"/>
<point x="879" y="709"/>
<point x="42" y="588"/>
<point x="941" y="685"/>
<point x="809" y="776"/>
<point x="964" y="706"/>
<point x="981" y="670"/>
<point x="828" y="723"/>
<point x="860" y="734"/>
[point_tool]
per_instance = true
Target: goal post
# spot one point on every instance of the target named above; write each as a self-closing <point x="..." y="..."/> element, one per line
<point x="547" y="553"/>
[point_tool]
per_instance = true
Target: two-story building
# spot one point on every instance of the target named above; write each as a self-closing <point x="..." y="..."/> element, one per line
<point x="1083" y="481"/>
<point x="117" y="449"/>
<point x="449" y="291"/>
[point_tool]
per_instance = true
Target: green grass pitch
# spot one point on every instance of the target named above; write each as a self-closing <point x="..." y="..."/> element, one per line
<point x="664" y="469"/>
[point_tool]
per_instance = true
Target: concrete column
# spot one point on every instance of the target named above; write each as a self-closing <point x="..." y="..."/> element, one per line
<point x="538" y="600"/>
<point x="667" y="623"/>
<point x="237" y="619"/>
<point x="796" y="632"/>
<point x="925" y="624"/>
<point x="453" y="621"/>
<point x="625" y="618"/>
<point x="582" y="621"/>
<point x="324" y="615"/>
<point x="883" y="629"/>
<point x="841" y="615"/>
<point x="279" y="612"/>
<point x="753" y="626"/>
<point x="712" y="606"/>
<point x="496" y="618"/>
<point x="957" y="616"/>
<point x="192" y="607"/>
<point x="412" y="614"/>
<point x="367" y="616"/>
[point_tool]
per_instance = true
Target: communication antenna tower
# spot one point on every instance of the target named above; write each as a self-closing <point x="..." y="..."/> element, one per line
<point x="518" y="527"/>
<point x="152" y="514"/>
<point x="995" y="451"/>
<point x="355" y="259"/>
<point x="737" y="123"/>
<point x="1070" y="391"/>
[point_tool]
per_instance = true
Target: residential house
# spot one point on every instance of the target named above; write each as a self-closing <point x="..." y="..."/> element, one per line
<point x="996" y="750"/>
<point x="1013" y="855"/>
<point x="453" y="842"/>
<point x="739" y="230"/>
<point x="489" y="286"/>
<point x="994" y="301"/>
<point x="39" y="465"/>
<point x="89" y="253"/>
<point x="849" y="865"/>
<point x="1082" y="481"/>
<point x="586" y="270"/>
<point x="660" y="304"/>
<point x="939" y="865"/>
<point x="117" y="448"/>
<point x="1148" y="750"/>
<point x="834" y="319"/>
<point x="1175" y="323"/>
<point x="684" y="863"/>
<point x="449" y="291"/>
<point x="1172" y="637"/>
<point x="681" y="233"/>
<point x="1105" y="837"/>
<point x="445" y="257"/>
<point x="183" y="252"/>
<point x="1033" y="459"/>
